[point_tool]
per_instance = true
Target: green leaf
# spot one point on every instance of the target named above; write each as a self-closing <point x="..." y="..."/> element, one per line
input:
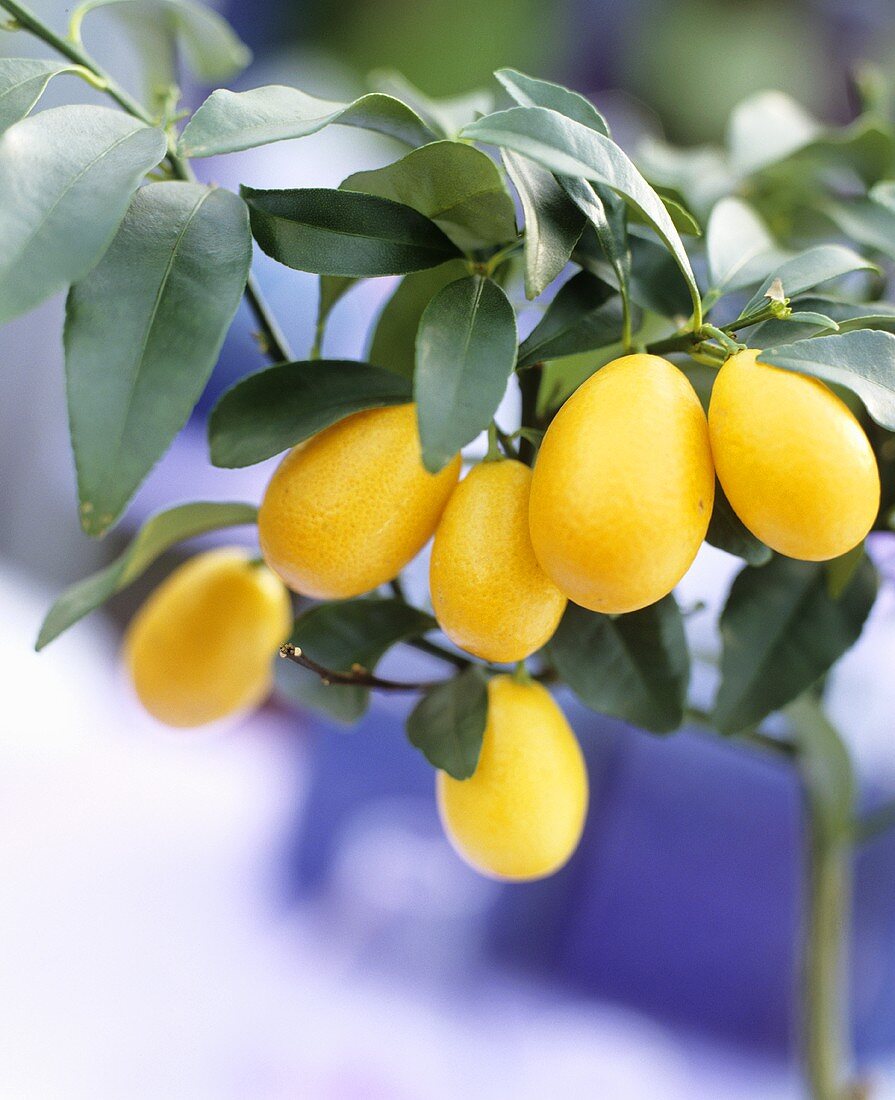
<point x="66" y="176"/>
<point x="728" y="532"/>
<point x="739" y="248"/>
<point x="230" y="121"/>
<point x="157" y="535"/>
<point x="766" y="128"/>
<point x="22" y="83"/>
<point x="331" y="232"/>
<point x="635" y="667"/>
<point x="393" y="345"/>
<point x="808" y="269"/>
<point x="448" y="723"/>
<point x="570" y="149"/>
<point x="816" y="314"/>
<point x="445" y="116"/>
<point x="684" y="221"/>
<point x="142" y="334"/>
<point x="553" y="223"/>
<point x="655" y="279"/>
<point x="863" y="361"/>
<point x="582" y="317"/>
<point x="160" y="28"/>
<point x="455" y="185"/>
<point x="841" y="570"/>
<point x="274" y="409"/>
<point x="527" y="91"/>
<point x="782" y="631"/>
<point x="607" y="213"/>
<point x="465" y="352"/>
<point x="340" y="635"/>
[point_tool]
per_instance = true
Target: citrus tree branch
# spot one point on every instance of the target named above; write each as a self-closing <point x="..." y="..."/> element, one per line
<point x="357" y="677"/>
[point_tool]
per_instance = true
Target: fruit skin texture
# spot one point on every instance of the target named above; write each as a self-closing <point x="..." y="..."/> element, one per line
<point x="623" y="487"/>
<point x="202" y="646"/>
<point x="489" y="594"/>
<point x="794" y="462"/>
<point x="348" y="509"/>
<point x="522" y="813"/>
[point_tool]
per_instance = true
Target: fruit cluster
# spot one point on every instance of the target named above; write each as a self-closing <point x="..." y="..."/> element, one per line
<point x="602" y="520"/>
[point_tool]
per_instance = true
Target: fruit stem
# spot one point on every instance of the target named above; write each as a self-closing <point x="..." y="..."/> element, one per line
<point x="493" y="454"/>
<point x="521" y="674"/>
<point x="357" y="677"/>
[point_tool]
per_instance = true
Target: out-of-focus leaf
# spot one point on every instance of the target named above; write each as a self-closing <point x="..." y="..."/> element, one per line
<point x="766" y="128"/>
<point x="739" y="248"/>
<point x="157" y="535"/>
<point x="782" y="631"/>
<point x="274" y="409"/>
<point x="332" y="232"/>
<point x="465" y="352"/>
<point x="445" y="116"/>
<point x="142" y="334"/>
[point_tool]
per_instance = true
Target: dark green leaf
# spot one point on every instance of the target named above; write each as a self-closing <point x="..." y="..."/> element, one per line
<point x="635" y="667"/>
<point x="527" y="91"/>
<point x="448" y="723"/>
<point x="553" y="223"/>
<point x="728" y="532"/>
<point x="465" y="352"/>
<point x="655" y="279"/>
<point x="581" y="317"/>
<point x="863" y="361"/>
<point x="570" y="149"/>
<point x="333" y="232"/>
<point x="66" y="177"/>
<point x="22" y="83"/>
<point x="782" y="631"/>
<point x="161" y="28"/>
<point x="455" y="185"/>
<point x="841" y="570"/>
<point x="394" y="338"/>
<point x="142" y="335"/>
<point x="339" y="636"/>
<point x="607" y="213"/>
<point x="809" y="269"/>
<point x="273" y="409"/>
<point x="157" y="535"/>
<point x="230" y="121"/>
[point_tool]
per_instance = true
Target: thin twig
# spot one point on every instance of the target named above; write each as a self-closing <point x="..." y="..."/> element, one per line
<point x="358" y="677"/>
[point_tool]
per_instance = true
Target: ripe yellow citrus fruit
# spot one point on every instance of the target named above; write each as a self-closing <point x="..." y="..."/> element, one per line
<point x="201" y="647"/>
<point x="348" y="509"/>
<point x="794" y="462"/>
<point x="521" y="814"/>
<point x="489" y="594"/>
<point x="623" y="486"/>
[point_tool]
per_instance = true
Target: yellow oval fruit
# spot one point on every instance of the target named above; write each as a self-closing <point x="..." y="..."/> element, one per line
<point x="201" y="647"/>
<point x="489" y="594"/>
<point x="794" y="462"/>
<point x="348" y="509"/>
<point x="623" y="486"/>
<point x="522" y="813"/>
